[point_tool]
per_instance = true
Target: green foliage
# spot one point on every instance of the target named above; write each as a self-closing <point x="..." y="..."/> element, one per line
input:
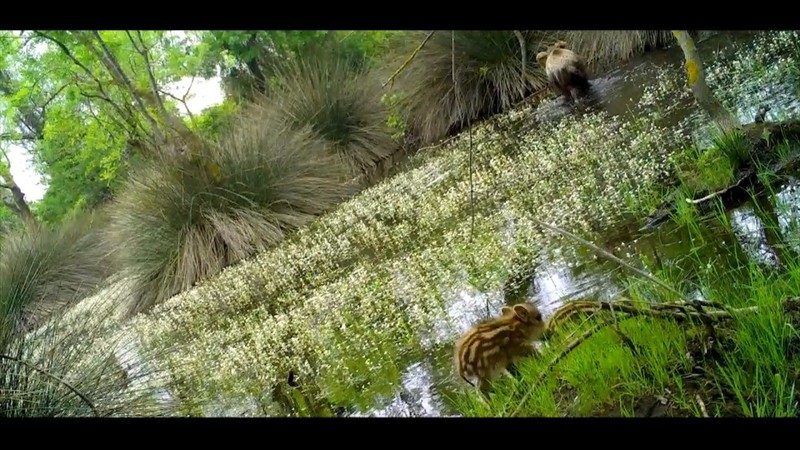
<point x="79" y="123"/>
<point x="215" y="121"/>
<point x="81" y="159"/>
<point x="42" y="269"/>
<point x="250" y="59"/>
<point x="178" y="222"/>
<point x="8" y="223"/>
<point x="395" y="120"/>
<point x="734" y="146"/>
<point x="341" y="104"/>
<point x="488" y="78"/>
<point x="366" y="48"/>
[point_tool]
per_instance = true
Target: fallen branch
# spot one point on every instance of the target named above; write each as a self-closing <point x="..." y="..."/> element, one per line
<point x="569" y="348"/>
<point x="675" y="310"/>
<point x="747" y="177"/>
<point x="408" y="61"/>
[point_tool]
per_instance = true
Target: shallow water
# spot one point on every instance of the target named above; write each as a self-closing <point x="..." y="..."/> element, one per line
<point x="427" y="384"/>
<point x="417" y="378"/>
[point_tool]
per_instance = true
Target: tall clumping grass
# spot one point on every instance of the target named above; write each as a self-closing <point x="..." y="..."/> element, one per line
<point x="340" y="101"/>
<point x="79" y="364"/>
<point x="755" y="374"/>
<point x="488" y="78"/>
<point x="43" y="269"/>
<point x="760" y="376"/>
<point x="58" y="357"/>
<point x="605" y="46"/>
<point x="178" y="221"/>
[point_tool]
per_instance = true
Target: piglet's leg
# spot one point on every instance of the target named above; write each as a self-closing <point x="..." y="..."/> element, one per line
<point x="530" y="350"/>
<point x="483" y="390"/>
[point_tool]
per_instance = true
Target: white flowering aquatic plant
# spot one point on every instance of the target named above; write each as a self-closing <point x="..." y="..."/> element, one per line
<point x="763" y="72"/>
<point x="348" y="301"/>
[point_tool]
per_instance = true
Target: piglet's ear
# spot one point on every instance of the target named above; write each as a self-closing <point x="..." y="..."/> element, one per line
<point x="541" y="58"/>
<point x="521" y="312"/>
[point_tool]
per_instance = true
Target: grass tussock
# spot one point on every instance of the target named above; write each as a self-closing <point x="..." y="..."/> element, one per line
<point x="760" y="377"/>
<point x="340" y="102"/>
<point x="488" y="78"/>
<point x="43" y="269"/>
<point x="179" y="222"/>
<point x="79" y="365"/>
<point x="601" y="47"/>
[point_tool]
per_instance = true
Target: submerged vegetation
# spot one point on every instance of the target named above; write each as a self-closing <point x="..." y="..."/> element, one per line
<point x="247" y="272"/>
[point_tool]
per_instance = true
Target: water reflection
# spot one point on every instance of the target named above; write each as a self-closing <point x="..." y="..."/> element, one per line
<point x="749" y="230"/>
<point x="416" y="397"/>
<point x="788" y="209"/>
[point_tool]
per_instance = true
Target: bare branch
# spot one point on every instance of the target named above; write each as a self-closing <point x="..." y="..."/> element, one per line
<point x="5" y="155"/>
<point x="125" y="121"/>
<point x="53" y="97"/>
<point x="148" y="68"/>
<point x="408" y="61"/>
<point x="183" y="101"/>
<point x="108" y="60"/>
<point x="189" y="89"/>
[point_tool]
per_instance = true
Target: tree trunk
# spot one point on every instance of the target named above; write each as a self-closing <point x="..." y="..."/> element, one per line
<point x="697" y="82"/>
<point x="255" y="69"/>
<point x="16" y="201"/>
